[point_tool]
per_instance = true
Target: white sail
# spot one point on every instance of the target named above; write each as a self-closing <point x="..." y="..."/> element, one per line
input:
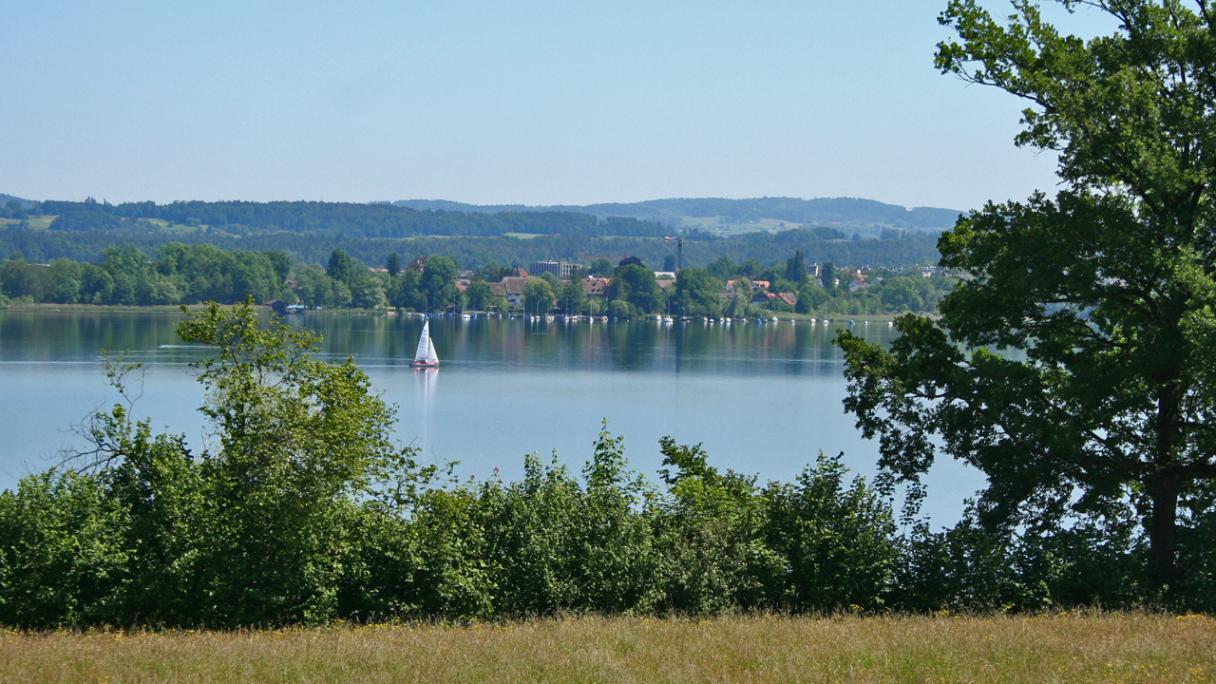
<point x="431" y="356"/>
<point x="425" y="353"/>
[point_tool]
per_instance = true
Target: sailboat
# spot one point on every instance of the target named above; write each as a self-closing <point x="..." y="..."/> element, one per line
<point x="425" y="356"/>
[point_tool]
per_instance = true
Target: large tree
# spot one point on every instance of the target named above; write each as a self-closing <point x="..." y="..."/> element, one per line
<point x="1074" y="365"/>
<point x="438" y="282"/>
<point x="635" y="284"/>
<point x="538" y="296"/>
<point x="571" y="298"/>
<point x="697" y="293"/>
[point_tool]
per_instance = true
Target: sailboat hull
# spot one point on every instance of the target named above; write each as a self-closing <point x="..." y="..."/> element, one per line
<point x="423" y="365"/>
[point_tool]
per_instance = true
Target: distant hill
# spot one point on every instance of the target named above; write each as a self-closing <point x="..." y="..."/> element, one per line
<point x="23" y="203"/>
<point x="739" y="215"/>
<point x="843" y="231"/>
<point x="334" y="218"/>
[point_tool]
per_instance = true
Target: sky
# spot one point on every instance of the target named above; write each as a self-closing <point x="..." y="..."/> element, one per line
<point x="499" y="102"/>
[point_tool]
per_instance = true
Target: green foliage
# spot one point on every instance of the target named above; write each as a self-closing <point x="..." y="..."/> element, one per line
<point x="697" y="293"/>
<point x="368" y="293"/>
<point x="479" y="296"/>
<point x="795" y="269"/>
<point x="299" y="440"/>
<point x="438" y="283"/>
<point x="827" y="276"/>
<point x="1072" y="364"/>
<point x="837" y="540"/>
<point x="711" y="538"/>
<point x="634" y="284"/>
<point x="811" y="298"/>
<point x="538" y="296"/>
<point x="61" y="561"/>
<point x="378" y="220"/>
<point x="571" y="298"/>
<point x="900" y="293"/>
<point x="190" y="274"/>
<point x="316" y="288"/>
<point x="620" y="309"/>
<point x="601" y="267"/>
<point x="903" y="249"/>
<point x="405" y="290"/>
<point x="341" y="267"/>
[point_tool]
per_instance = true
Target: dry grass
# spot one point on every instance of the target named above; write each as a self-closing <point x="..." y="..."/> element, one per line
<point x="1059" y="648"/>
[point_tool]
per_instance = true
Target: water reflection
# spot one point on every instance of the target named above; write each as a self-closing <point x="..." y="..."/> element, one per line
<point x="696" y="347"/>
<point x="426" y="385"/>
<point x="762" y="398"/>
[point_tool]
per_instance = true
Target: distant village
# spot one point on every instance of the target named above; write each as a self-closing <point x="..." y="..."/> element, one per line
<point x="511" y="287"/>
<point x="740" y="295"/>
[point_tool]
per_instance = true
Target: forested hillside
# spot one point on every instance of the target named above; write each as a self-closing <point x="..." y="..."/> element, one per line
<point x="708" y="212"/>
<point x="337" y="218"/>
<point x="9" y="200"/>
<point x="899" y="249"/>
<point x="309" y="231"/>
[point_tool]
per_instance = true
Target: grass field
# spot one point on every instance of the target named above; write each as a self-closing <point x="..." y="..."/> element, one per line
<point x="1059" y="648"/>
<point x="41" y="222"/>
<point x="719" y="226"/>
<point x="34" y="222"/>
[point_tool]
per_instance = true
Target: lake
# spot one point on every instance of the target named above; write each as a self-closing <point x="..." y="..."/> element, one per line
<point x="762" y="398"/>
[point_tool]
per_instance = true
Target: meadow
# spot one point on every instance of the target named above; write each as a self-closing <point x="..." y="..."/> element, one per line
<point x="1066" y="647"/>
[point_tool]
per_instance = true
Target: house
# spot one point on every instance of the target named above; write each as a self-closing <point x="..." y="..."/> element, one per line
<point x="510" y="288"/>
<point x="595" y="286"/>
<point x="757" y="285"/>
<point x="787" y="298"/>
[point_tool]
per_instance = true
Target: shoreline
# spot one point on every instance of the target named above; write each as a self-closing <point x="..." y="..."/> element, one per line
<point x="50" y="307"/>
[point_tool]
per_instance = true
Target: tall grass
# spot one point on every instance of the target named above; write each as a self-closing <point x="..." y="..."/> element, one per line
<point x="1048" y="648"/>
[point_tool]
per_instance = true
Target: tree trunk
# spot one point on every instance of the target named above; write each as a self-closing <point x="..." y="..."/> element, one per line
<point x="1164" y="484"/>
<point x="1163" y="534"/>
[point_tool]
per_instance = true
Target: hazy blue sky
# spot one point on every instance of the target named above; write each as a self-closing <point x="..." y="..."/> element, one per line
<point x="520" y="101"/>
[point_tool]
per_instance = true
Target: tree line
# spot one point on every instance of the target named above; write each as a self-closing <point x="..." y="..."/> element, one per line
<point x="821" y="244"/>
<point x="335" y="218"/>
<point x="189" y="274"/>
<point x="302" y="510"/>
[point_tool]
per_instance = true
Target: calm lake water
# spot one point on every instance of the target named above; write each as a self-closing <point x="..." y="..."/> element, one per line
<point x="762" y="398"/>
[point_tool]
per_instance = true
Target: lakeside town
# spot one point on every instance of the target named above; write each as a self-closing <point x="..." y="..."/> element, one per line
<point x="179" y="273"/>
<point x="573" y="291"/>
